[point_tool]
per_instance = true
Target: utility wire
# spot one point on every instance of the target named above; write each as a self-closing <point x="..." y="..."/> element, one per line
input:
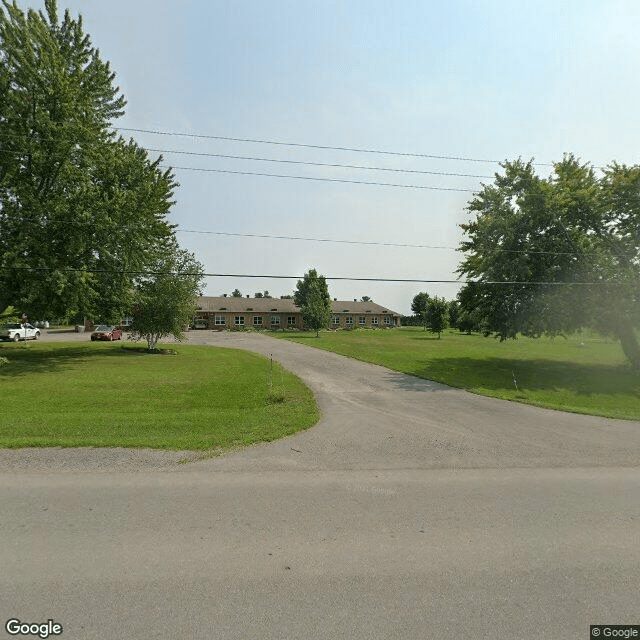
<point x="317" y="146"/>
<point x="280" y="161"/>
<point x="277" y="175"/>
<point x="328" y="240"/>
<point x="317" y="179"/>
<point x="281" y="277"/>
<point x="322" y="164"/>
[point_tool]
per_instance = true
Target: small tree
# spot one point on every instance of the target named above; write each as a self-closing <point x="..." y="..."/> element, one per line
<point x="166" y="299"/>
<point x="236" y="293"/>
<point x="312" y="296"/>
<point x="437" y="316"/>
<point x="419" y="307"/>
<point x="454" y="312"/>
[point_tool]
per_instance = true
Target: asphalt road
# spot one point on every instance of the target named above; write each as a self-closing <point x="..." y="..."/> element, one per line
<point x="410" y="511"/>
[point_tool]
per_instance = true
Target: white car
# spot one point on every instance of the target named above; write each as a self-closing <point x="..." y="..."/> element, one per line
<point x="17" y="332"/>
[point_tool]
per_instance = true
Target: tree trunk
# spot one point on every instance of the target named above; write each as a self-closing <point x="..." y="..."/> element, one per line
<point x="628" y="341"/>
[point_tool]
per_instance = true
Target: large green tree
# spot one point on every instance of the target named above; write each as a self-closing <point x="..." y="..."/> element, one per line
<point x="554" y="254"/>
<point x="80" y="208"/>
<point x="312" y="296"/>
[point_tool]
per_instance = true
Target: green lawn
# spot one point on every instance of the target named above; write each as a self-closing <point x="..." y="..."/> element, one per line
<point x="107" y="395"/>
<point x="583" y="374"/>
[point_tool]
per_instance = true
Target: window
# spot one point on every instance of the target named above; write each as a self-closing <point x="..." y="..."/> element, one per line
<point x="349" y="321"/>
<point x="335" y="320"/>
<point x="275" y="320"/>
<point x="257" y="321"/>
<point x="291" y="321"/>
<point x="362" y="320"/>
<point x="374" y="321"/>
<point x="220" y="320"/>
<point x="387" y="319"/>
<point x="239" y="321"/>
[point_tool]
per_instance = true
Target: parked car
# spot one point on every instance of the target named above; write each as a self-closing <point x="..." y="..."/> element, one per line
<point x="17" y="332"/>
<point x="106" y="332"/>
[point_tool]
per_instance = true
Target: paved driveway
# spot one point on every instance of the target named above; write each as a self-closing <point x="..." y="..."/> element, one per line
<point x="410" y="511"/>
<point x="377" y="418"/>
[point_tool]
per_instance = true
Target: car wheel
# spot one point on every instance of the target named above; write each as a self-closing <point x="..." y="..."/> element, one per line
<point x="37" y="335"/>
<point x="16" y="337"/>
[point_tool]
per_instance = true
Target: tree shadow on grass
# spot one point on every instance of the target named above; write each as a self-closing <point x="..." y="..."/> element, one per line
<point x="497" y="374"/>
<point x="25" y="359"/>
<point x="410" y="382"/>
<point x="423" y="336"/>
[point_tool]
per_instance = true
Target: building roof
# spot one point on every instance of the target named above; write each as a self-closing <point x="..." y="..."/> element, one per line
<point x="278" y="305"/>
<point x="238" y="305"/>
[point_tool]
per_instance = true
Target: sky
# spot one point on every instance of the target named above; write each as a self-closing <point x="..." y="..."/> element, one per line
<point x="484" y="80"/>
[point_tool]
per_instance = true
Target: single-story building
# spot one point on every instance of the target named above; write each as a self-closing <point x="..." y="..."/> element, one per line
<point x="223" y="312"/>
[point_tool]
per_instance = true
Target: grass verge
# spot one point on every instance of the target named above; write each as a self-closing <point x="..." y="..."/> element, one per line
<point x="112" y="395"/>
<point x="581" y="374"/>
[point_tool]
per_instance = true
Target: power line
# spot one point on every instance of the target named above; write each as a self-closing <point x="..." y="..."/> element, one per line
<point x="365" y="242"/>
<point x="327" y="240"/>
<point x="277" y="175"/>
<point x="322" y="164"/>
<point x="317" y="179"/>
<point x="318" y="146"/>
<point x="280" y="161"/>
<point x="330" y="240"/>
<point x="282" y="277"/>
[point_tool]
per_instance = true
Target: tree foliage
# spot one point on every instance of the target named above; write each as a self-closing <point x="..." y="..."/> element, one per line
<point x="454" y="312"/>
<point x="312" y="296"/>
<point x="80" y="209"/>
<point x="165" y="301"/>
<point x="437" y="316"/>
<point x="469" y="309"/>
<point x="561" y="252"/>
<point x="419" y="306"/>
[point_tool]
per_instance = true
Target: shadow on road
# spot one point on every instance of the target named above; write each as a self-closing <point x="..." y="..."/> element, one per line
<point x="412" y="383"/>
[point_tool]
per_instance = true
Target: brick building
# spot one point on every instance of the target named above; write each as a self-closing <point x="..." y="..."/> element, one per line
<point x="275" y="313"/>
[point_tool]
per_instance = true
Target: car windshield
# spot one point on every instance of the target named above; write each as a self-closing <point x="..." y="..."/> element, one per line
<point x="104" y="327"/>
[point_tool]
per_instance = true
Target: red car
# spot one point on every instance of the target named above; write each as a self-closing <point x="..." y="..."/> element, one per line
<point x="107" y="332"/>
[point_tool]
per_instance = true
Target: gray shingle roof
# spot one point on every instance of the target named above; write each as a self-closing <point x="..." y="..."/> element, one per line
<point x="277" y="305"/>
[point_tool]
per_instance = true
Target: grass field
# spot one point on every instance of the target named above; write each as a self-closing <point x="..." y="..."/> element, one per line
<point x="103" y="394"/>
<point x="582" y="374"/>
